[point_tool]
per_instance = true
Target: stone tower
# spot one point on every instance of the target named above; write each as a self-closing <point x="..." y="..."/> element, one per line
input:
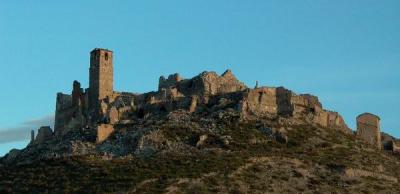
<point x="100" y="78"/>
<point x="368" y="129"/>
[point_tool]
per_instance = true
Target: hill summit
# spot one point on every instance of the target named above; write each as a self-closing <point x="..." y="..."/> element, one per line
<point x="210" y="133"/>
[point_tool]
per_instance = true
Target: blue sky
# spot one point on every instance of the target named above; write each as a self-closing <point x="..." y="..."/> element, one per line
<point x="345" y="51"/>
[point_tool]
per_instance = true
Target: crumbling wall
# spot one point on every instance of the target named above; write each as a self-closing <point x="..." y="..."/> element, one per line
<point x="78" y="96"/>
<point x="63" y="112"/>
<point x="276" y="101"/>
<point x="368" y="129"/>
<point x="331" y="119"/>
<point x="209" y="83"/>
<point x="172" y="81"/>
<point x="271" y="101"/>
<point x="64" y="101"/>
<point x="260" y="101"/>
<point x="70" y="110"/>
<point x="204" y="85"/>
<point x="45" y="133"/>
<point x="305" y="103"/>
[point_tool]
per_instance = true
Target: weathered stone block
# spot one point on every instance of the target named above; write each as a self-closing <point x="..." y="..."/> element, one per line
<point x="103" y="132"/>
<point x="113" y="115"/>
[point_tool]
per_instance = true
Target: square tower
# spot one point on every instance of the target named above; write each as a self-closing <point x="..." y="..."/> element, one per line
<point x="368" y="129"/>
<point x="101" y="74"/>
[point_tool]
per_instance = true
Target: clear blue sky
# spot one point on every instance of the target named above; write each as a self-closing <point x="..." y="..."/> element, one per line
<point x="347" y="52"/>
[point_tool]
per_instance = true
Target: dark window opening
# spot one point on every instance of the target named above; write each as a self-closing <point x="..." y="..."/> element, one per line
<point x="260" y="95"/>
<point x="106" y="56"/>
<point x="163" y="109"/>
<point x="140" y="113"/>
<point x="190" y="84"/>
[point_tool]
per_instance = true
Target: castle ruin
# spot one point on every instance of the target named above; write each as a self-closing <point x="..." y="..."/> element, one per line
<point x="99" y="108"/>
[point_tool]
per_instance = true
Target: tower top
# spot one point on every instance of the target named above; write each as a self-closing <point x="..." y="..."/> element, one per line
<point x="368" y="114"/>
<point x="100" y="49"/>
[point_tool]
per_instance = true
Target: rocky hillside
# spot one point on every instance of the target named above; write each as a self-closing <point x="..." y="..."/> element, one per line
<point x="204" y="152"/>
<point x="208" y="134"/>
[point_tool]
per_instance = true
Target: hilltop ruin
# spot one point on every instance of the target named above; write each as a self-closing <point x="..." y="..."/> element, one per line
<point x="99" y="108"/>
<point x="207" y="134"/>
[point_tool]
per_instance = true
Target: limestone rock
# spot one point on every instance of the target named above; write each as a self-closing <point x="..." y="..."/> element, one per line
<point x="202" y="140"/>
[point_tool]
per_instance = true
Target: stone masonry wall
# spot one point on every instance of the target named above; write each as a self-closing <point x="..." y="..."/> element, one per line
<point x="270" y="101"/>
<point x="101" y="79"/>
<point x="44" y="133"/>
<point x="70" y="110"/>
<point x="368" y="129"/>
<point x="62" y="115"/>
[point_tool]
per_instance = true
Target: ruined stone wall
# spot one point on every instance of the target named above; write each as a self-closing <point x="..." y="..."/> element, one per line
<point x="209" y="83"/>
<point x="63" y="101"/>
<point x="368" y="129"/>
<point x="204" y="86"/>
<point x="119" y="106"/>
<point x="70" y="110"/>
<point x="63" y="104"/>
<point x="271" y="101"/>
<point x="277" y="101"/>
<point x="78" y="96"/>
<point x="69" y="119"/>
<point x="330" y="119"/>
<point x="260" y="101"/>
<point x="45" y="133"/>
<point x="305" y="103"/>
<point x="172" y="81"/>
<point x="155" y="106"/>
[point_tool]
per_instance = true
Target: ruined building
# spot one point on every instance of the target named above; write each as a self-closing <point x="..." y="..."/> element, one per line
<point x="84" y="108"/>
<point x="368" y="129"/>
<point x="100" y="108"/>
